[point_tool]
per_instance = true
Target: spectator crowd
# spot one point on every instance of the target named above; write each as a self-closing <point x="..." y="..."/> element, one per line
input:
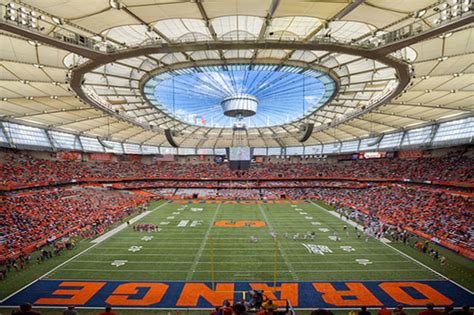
<point x="18" y="169"/>
<point x="29" y="220"/>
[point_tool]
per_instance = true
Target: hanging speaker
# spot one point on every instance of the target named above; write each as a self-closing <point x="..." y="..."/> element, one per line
<point x="376" y="140"/>
<point x="306" y="131"/>
<point x="102" y="142"/>
<point x="169" y="137"/>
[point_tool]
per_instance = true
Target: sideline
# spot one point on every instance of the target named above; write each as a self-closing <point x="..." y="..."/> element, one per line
<point x="72" y="258"/>
<point x="407" y="256"/>
<point x="122" y="226"/>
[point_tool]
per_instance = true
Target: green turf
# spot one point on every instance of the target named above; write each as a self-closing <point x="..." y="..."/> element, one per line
<point x="184" y="253"/>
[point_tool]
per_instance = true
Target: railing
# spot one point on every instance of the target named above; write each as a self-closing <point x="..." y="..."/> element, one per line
<point x="27" y="17"/>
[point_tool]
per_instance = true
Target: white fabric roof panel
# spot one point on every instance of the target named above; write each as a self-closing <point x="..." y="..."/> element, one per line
<point x="379" y="18"/>
<point x="447" y="83"/>
<point x="69" y="9"/>
<point x="239" y="27"/>
<point x="177" y="28"/>
<point x="301" y="26"/>
<point x="217" y="8"/>
<point x="322" y="10"/>
<point x="152" y="11"/>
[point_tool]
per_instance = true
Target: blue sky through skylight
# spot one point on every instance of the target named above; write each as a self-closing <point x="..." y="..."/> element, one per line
<point x="284" y="94"/>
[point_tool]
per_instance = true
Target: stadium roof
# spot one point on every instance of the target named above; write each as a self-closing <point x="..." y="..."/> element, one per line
<point x="387" y="66"/>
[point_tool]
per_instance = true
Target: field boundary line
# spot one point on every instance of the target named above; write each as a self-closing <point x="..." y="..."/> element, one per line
<point x="189" y="275"/>
<point x="242" y="271"/>
<point x="123" y="226"/>
<point x="412" y="258"/>
<point x="282" y="252"/>
<point x="65" y="262"/>
<point x="233" y="255"/>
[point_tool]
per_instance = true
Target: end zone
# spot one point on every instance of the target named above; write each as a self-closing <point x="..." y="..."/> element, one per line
<point x="199" y="295"/>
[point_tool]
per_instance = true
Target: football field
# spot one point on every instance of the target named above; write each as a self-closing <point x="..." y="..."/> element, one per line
<point x="182" y="251"/>
<point x="209" y="246"/>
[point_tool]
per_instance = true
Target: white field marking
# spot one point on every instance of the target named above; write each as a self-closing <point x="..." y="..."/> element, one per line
<point x="351" y="223"/>
<point x="183" y="223"/>
<point x="238" y="274"/>
<point x="282" y="252"/>
<point x="191" y="271"/>
<point x="240" y="271"/>
<point x="245" y="263"/>
<point x="266" y="239"/>
<point x="260" y="248"/>
<point x="364" y="262"/>
<point x="430" y="269"/>
<point x="121" y="227"/>
<point x="118" y="263"/>
<point x="135" y="248"/>
<point x="400" y="252"/>
<point x="223" y="255"/>
<point x="67" y="261"/>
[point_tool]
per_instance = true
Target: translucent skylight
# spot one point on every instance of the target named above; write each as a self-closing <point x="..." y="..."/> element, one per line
<point x="284" y="93"/>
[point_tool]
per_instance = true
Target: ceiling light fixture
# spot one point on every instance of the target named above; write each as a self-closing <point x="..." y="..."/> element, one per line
<point x="115" y="4"/>
<point x="420" y="13"/>
<point x="57" y="20"/>
<point x="446" y="35"/>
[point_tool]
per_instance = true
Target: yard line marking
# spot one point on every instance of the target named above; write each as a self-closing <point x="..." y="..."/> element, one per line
<point x="238" y="271"/>
<point x="189" y="275"/>
<point x="233" y="255"/>
<point x="240" y="263"/>
<point x="65" y="262"/>
<point x="236" y="250"/>
<point x="282" y="252"/>
<point x="263" y="242"/>
<point x="123" y="226"/>
<point x="403" y="254"/>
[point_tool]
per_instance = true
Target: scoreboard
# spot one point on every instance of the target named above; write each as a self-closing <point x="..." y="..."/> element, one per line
<point x="239" y="157"/>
